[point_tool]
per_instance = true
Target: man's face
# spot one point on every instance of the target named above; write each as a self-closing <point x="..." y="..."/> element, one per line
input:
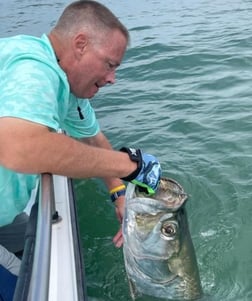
<point x="97" y="66"/>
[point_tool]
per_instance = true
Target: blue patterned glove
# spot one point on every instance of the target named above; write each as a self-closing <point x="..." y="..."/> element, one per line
<point x="148" y="172"/>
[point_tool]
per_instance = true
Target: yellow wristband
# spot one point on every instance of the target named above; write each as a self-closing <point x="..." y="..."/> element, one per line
<point x="118" y="188"/>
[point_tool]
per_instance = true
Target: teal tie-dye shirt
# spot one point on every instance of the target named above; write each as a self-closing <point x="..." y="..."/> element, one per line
<point x="33" y="87"/>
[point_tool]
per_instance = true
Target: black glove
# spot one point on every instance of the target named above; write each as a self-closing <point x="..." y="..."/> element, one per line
<point x="148" y="172"/>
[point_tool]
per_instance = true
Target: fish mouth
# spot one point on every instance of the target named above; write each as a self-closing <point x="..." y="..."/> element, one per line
<point x="169" y="192"/>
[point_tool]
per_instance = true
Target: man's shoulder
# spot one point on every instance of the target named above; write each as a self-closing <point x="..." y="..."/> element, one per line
<point x="25" y="46"/>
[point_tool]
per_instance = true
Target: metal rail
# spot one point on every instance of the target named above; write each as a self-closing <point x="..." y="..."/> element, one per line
<point x="33" y="281"/>
<point x="39" y="284"/>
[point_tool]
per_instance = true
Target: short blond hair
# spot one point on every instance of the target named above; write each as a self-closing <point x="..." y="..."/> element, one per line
<point x="91" y="16"/>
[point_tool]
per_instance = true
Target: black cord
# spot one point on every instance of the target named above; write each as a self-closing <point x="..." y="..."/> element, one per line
<point x="80" y="113"/>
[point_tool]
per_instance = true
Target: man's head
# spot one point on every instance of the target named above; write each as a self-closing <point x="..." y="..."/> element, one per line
<point x="89" y="42"/>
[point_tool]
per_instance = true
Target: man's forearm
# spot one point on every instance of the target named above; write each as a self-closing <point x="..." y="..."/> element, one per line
<point x="34" y="149"/>
<point x="100" y="140"/>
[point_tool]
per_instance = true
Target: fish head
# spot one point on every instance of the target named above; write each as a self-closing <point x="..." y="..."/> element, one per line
<point x="157" y="236"/>
<point x="152" y="225"/>
<point x="158" y="251"/>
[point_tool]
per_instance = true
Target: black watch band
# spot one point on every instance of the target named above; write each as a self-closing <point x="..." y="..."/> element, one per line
<point x="117" y="194"/>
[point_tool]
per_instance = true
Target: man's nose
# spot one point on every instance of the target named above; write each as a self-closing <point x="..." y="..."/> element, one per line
<point x="111" y="77"/>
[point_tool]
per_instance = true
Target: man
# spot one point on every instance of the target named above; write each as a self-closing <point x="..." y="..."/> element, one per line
<point x="45" y="83"/>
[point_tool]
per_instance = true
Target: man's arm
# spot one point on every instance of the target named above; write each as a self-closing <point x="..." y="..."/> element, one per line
<point x="28" y="147"/>
<point x="100" y="140"/>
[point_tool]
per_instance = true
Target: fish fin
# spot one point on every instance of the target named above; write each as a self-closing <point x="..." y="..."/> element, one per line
<point x="133" y="290"/>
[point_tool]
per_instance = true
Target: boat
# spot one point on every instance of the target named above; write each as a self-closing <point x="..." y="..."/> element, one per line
<point x="52" y="267"/>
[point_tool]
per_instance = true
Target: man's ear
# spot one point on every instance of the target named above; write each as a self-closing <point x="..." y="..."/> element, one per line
<point x="80" y="43"/>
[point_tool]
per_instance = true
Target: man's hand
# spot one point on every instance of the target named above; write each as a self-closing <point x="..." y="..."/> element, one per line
<point x="148" y="172"/>
<point x="119" y="207"/>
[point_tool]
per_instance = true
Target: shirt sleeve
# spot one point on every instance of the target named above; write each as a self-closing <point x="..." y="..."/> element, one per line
<point x="31" y="90"/>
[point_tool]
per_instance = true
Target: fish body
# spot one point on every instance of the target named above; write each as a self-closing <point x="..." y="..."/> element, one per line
<point x="158" y="251"/>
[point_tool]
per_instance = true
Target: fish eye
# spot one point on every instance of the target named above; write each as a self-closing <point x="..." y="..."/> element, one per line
<point x="169" y="230"/>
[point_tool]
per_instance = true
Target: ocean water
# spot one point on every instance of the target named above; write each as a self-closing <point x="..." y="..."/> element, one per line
<point x="184" y="94"/>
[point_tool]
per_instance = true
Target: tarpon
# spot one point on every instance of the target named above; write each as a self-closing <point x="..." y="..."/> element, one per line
<point x="158" y="251"/>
